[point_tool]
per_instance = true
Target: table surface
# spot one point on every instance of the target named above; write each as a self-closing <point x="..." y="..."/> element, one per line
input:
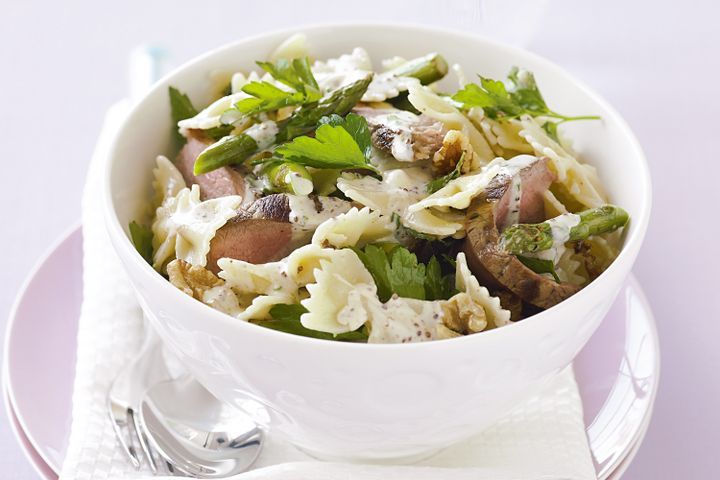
<point x="64" y="63"/>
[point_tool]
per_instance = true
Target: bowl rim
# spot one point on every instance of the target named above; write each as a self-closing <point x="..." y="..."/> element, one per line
<point x="628" y="253"/>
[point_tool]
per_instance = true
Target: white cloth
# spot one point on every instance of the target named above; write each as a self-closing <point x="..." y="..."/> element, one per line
<point x="545" y="438"/>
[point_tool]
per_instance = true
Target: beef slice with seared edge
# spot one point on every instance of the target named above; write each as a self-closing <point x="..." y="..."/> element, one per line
<point x="259" y="234"/>
<point x="488" y="261"/>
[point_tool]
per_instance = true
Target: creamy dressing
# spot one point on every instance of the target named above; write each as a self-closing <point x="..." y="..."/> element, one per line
<point x="263" y="133"/>
<point x="386" y="85"/>
<point x="394" y="194"/>
<point x="307" y="213"/>
<point x="406" y="186"/>
<point x="560" y="227"/>
<point x="345" y="69"/>
<point x="349" y="68"/>
<point x="404" y="320"/>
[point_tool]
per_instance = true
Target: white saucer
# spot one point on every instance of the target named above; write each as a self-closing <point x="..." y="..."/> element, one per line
<point x="617" y="372"/>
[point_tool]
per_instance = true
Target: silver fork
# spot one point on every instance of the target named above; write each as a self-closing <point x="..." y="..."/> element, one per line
<point x="123" y="400"/>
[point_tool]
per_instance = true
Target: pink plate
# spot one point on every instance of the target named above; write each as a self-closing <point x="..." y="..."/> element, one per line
<point x="42" y="468"/>
<point x="617" y="371"/>
<point x="40" y="351"/>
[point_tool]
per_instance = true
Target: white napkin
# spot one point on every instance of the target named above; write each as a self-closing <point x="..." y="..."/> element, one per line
<point x="545" y="438"/>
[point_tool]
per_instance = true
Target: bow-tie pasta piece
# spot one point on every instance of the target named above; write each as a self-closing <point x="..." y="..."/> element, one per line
<point x="337" y="299"/>
<point x="258" y="287"/>
<point x="354" y="229"/>
<point x="466" y="283"/>
<point x="184" y="226"/>
<point x="167" y="180"/>
<point x="578" y="180"/>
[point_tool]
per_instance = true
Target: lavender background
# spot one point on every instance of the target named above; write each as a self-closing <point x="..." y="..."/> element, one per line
<point x="64" y="63"/>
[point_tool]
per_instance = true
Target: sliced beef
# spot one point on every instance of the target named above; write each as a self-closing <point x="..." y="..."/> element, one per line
<point x="268" y="229"/>
<point x="402" y="134"/>
<point x="260" y="234"/>
<point x="490" y="263"/>
<point x="219" y="183"/>
<point x="534" y="181"/>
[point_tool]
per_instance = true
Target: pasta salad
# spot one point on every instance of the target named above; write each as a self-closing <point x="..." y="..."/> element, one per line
<point x="330" y="199"/>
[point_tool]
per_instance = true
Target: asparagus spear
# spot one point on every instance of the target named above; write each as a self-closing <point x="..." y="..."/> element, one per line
<point x="238" y="148"/>
<point x="427" y="69"/>
<point x="338" y="102"/>
<point x="226" y="151"/>
<point x="527" y="237"/>
<point x="289" y="177"/>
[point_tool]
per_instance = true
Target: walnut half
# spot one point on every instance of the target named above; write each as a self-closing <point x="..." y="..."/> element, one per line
<point x="454" y="145"/>
<point x="192" y="279"/>
<point x="201" y="284"/>
<point x="463" y="316"/>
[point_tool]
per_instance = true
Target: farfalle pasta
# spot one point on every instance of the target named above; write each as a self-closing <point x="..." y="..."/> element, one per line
<point x="167" y="180"/>
<point x="258" y="287"/>
<point x="580" y="180"/>
<point x="335" y="304"/>
<point x="354" y="228"/>
<point x="184" y="226"/>
<point x="341" y="202"/>
<point x="466" y="282"/>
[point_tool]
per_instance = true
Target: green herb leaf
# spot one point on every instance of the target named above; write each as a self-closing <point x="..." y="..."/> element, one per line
<point x="438" y="183"/>
<point x="181" y="108"/>
<point x="267" y="97"/>
<point x="295" y="73"/>
<point x="397" y="271"/>
<point x="141" y="237"/>
<point x="339" y="101"/>
<point x="539" y="265"/>
<point x="356" y="126"/>
<point x="437" y="285"/>
<point x="521" y="96"/>
<point x="525" y="92"/>
<point x="286" y="318"/>
<point x="376" y="261"/>
<point x="491" y="95"/>
<point x="407" y="276"/>
<point x="333" y="147"/>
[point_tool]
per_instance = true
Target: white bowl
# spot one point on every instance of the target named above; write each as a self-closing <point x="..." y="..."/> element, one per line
<point x="358" y="401"/>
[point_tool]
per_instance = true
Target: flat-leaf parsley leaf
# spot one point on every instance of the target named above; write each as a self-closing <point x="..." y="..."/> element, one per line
<point x="397" y="271"/>
<point x="266" y="97"/>
<point x="520" y="96"/>
<point x="337" y="144"/>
